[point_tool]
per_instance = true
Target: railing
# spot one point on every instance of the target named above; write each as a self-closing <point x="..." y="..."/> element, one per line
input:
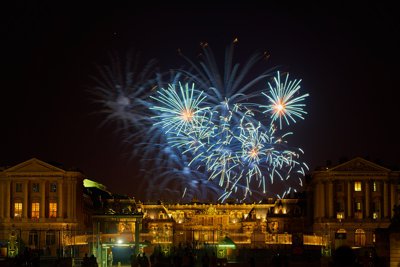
<point x="278" y="239"/>
<point x="313" y="240"/>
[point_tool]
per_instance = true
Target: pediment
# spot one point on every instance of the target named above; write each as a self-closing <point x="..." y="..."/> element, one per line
<point x="211" y="211"/>
<point x="359" y="164"/>
<point x="33" y="166"/>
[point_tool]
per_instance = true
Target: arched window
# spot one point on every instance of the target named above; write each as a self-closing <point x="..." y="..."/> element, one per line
<point x="359" y="238"/>
<point x="341" y="234"/>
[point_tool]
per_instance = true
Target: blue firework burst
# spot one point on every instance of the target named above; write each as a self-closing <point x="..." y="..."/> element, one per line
<point x="206" y="128"/>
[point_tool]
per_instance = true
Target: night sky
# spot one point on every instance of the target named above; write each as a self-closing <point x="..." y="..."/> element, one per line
<point x="347" y="58"/>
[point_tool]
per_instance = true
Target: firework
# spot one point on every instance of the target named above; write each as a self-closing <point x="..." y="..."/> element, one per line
<point x="283" y="102"/>
<point x="121" y="89"/>
<point x="205" y="132"/>
<point x="178" y="109"/>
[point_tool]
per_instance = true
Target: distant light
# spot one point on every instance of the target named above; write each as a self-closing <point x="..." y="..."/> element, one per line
<point x="119" y="241"/>
<point x="90" y="183"/>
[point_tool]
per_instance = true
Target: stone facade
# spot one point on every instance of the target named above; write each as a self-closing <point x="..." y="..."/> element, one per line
<point x="352" y="200"/>
<point x="50" y="209"/>
<point x="42" y="207"/>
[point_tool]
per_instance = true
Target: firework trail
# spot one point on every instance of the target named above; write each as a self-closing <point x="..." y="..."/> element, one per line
<point x="209" y="132"/>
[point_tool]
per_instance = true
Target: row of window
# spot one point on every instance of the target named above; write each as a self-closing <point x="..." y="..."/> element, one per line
<point x="357" y="215"/>
<point x="35" y="187"/>
<point x="35" y="210"/>
<point x="358" y="187"/>
<point x="358" y="206"/>
<point x="34" y="238"/>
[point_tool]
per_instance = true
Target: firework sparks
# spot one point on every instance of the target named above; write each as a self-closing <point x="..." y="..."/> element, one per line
<point x="283" y="102"/>
<point x="211" y="131"/>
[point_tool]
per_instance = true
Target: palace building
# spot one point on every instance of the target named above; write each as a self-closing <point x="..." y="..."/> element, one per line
<point x="352" y="200"/>
<point x="42" y="207"/>
<point x="62" y="213"/>
<point x="135" y="226"/>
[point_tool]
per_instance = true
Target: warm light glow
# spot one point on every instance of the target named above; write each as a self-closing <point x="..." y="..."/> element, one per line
<point x="187" y="115"/>
<point x="35" y="210"/>
<point x="253" y="153"/>
<point x="52" y="210"/>
<point x="279" y="108"/>
<point x="17" y="210"/>
<point x="357" y="186"/>
<point x="313" y="240"/>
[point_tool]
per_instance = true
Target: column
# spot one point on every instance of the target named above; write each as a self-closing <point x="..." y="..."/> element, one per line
<point x="25" y="207"/>
<point x="2" y="200"/>
<point x="367" y="199"/>
<point x="385" y="200"/>
<point x="74" y="199"/>
<point x="69" y="204"/>
<point x="137" y="234"/>
<point x="392" y="199"/>
<point x="330" y="199"/>
<point x="321" y="200"/>
<point x="349" y="202"/>
<point x="60" y="200"/>
<point x="8" y="200"/>
<point x="42" y="198"/>
<point x="316" y="196"/>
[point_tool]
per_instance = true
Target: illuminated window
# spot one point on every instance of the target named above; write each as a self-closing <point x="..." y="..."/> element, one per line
<point x="17" y="210"/>
<point x="375" y="215"/>
<point x="357" y="186"/>
<point x="358" y="206"/>
<point x="52" y="210"/>
<point x="53" y="187"/>
<point x="35" y="187"/>
<point x="18" y="187"/>
<point x="374" y="187"/>
<point x="359" y="237"/>
<point x="35" y="210"/>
